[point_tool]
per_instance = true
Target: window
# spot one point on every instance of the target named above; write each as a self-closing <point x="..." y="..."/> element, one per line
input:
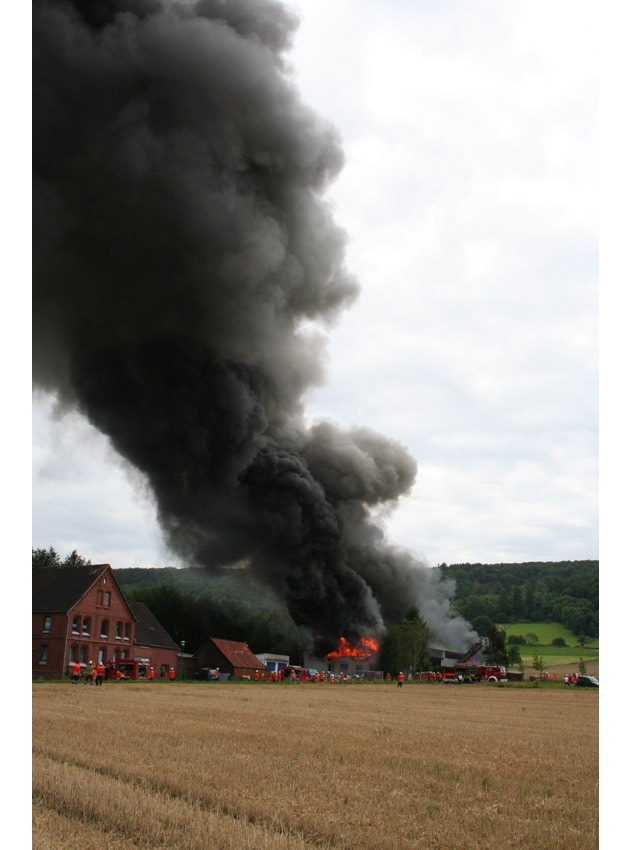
<point x="102" y="653"/>
<point x="47" y="623"/>
<point x="86" y="626"/>
<point x="118" y="631"/>
<point x="83" y="655"/>
<point x="127" y="630"/>
<point x="107" y="598"/>
<point x="75" y="625"/>
<point x="74" y="653"/>
<point x="43" y="655"/>
<point x="104" y="628"/>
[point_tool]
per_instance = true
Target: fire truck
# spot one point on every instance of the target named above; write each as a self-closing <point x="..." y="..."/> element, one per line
<point x="127" y="668"/>
<point x="474" y="671"/>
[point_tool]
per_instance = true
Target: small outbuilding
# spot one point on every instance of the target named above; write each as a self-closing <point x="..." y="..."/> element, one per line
<point x="274" y="663"/>
<point x="232" y="658"/>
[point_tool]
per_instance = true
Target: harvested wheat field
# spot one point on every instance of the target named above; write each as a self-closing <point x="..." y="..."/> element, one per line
<point x="359" y="767"/>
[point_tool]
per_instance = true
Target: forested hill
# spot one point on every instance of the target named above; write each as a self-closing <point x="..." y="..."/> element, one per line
<point x="564" y="591"/>
<point x="194" y="605"/>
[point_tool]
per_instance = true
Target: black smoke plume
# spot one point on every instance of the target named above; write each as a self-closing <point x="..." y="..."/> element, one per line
<point x="183" y="254"/>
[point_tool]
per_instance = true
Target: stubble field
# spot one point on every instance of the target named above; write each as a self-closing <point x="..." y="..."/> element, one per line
<point x="297" y="767"/>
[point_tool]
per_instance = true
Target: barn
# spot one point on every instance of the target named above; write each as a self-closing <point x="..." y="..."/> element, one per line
<point x="232" y="658"/>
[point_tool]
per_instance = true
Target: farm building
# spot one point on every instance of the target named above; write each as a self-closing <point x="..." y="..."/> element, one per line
<point x="231" y="657"/>
<point x="81" y="614"/>
<point x="364" y="667"/>
<point x="273" y="663"/>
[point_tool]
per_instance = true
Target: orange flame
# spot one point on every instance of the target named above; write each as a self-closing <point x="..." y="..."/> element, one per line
<point x="365" y="648"/>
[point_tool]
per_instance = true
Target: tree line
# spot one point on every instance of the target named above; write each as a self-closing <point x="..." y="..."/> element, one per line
<point x="566" y="592"/>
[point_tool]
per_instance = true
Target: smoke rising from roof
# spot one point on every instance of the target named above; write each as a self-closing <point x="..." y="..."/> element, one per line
<point x="183" y="255"/>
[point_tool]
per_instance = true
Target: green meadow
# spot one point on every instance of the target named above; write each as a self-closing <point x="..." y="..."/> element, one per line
<point x="544" y="648"/>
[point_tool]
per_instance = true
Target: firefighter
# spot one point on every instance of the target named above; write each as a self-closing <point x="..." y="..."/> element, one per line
<point x="100" y="673"/>
<point x="151" y="674"/>
<point x="171" y="674"/>
<point x="90" y="673"/>
<point x="76" y="672"/>
<point x="401" y="679"/>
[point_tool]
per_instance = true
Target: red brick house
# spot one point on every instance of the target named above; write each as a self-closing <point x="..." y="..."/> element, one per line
<point x="81" y="614"/>
<point x="231" y="657"/>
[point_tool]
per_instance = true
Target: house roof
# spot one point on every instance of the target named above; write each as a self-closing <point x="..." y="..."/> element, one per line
<point x="58" y="589"/>
<point x="149" y="632"/>
<point x="238" y="654"/>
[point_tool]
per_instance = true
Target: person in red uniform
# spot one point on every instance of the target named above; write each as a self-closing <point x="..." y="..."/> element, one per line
<point x="151" y="674"/>
<point x="171" y="674"/>
<point x="401" y="679"/>
<point x="76" y="672"/>
<point x="100" y="673"/>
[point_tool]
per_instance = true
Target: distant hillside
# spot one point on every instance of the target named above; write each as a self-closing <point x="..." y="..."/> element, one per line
<point x="564" y="591"/>
<point x="193" y="605"/>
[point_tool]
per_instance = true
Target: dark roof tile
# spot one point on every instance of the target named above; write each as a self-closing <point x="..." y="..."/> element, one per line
<point x="149" y="632"/>
<point x="60" y="588"/>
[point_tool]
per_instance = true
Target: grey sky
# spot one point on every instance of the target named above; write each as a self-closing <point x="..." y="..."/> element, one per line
<point x="469" y="197"/>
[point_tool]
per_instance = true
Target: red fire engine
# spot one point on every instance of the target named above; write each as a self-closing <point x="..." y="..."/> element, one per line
<point x="480" y="672"/>
<point x="127" y="668"/>
<point x="474" y="671"/>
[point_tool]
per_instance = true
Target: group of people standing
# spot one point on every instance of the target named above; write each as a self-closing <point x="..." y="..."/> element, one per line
<point x="93" y="675"/>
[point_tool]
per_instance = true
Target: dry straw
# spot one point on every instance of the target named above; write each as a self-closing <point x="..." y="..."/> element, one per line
<point x="358" y="767"/>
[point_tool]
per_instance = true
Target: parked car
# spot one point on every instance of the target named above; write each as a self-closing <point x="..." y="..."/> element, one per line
<point x="587" y="682"/>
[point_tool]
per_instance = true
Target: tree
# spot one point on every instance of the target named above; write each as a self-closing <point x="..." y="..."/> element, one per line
<point x="514" y="656"/>
<point x="46" y="558"/>
<point x="496" y="638"/>
<point x="50" y="558"/>
<point x="538" y="663"/>
<point x="517" y="601"/>
<point x="481" y="625"/>
<point x="76" y="560"/>
<point x="404" y="647"/>
<point x="558" y="641"/>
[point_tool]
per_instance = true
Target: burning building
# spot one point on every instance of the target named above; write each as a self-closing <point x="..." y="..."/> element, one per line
<point x="353" y="660"/>
<point x="185" y="266"/>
